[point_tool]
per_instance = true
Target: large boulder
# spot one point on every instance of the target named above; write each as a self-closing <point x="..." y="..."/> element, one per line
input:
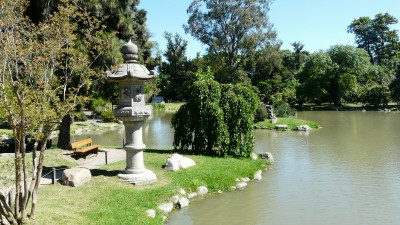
<point x="75" y="177"/>
<point x="176" y="162"/>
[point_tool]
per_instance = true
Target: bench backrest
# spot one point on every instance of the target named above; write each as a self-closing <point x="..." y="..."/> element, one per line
<point x="80" y="143"/>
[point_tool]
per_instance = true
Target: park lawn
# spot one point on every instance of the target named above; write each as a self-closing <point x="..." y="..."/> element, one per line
<point x="108" y="200"/>
<point x="53" y="158"/>
<point x="291" y="122"/>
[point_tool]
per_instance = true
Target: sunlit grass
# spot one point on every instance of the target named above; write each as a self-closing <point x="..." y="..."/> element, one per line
<point x="108" y="200"/>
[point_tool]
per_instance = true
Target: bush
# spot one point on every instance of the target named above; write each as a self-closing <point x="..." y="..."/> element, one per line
<point x="284" y="110"/>
<point x="80" y="116"/>
<point x="99" y="105"/>
<point x="261" y="113"/>
<point x="217" y="120"/>
<point x="108" y="116"/>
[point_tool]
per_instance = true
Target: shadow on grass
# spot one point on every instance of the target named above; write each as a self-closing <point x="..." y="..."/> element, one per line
<point x="106" y="173"/>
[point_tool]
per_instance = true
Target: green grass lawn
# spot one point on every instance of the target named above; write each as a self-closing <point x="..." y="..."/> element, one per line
<point x="108" y="200"/>
<point x="53" y="158"/>
<point x="291" y="122"/>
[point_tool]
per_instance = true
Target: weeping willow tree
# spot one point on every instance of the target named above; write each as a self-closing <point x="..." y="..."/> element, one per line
<point x="43" y="67"/>
<point x="218" y="119"/>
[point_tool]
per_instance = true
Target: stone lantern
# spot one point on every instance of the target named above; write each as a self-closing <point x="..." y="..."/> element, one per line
<point x="132" y="111"/>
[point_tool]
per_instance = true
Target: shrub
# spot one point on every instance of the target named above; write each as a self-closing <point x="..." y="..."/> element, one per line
<point x="284" y="110"/>
<point x="261" y="113"/>
<point x="80" y="116"/>
<point x="108" y="116"/>
<point x="218" y="119"/>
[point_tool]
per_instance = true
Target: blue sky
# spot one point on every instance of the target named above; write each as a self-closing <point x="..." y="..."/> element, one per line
<point x="318" y="24"/>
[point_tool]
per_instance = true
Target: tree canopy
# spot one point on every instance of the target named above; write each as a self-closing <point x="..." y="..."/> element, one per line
<point x="233" y="30"/>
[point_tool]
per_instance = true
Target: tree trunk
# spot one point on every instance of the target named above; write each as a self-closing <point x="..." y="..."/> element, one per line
<point x="64" y="137"/>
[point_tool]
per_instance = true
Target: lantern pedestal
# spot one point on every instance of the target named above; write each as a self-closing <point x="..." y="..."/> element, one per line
<point x="135" y="171"/>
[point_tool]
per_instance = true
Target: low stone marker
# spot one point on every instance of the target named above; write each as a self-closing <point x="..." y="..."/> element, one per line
<point x="75" y="177"/>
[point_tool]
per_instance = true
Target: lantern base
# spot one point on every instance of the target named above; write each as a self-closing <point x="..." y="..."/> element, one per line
<point x="147" y="177"/>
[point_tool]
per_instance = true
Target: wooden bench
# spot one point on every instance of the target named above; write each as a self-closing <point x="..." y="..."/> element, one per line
<point x="84" y="147"/>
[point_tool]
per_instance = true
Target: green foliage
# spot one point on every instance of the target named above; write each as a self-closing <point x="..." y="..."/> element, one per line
<point x="233" y="31"/>
<point x="99" y="105"/>
<point x="158" y="106"/>
<point x="261" y="113"/>
<point x="377" y="38"/>
<point x="80" y="116"/>
<point x="217" y="119"/>
<point x="108" y="116"/>
<point x="284" y="110"/>
<point x="178" y="72"/>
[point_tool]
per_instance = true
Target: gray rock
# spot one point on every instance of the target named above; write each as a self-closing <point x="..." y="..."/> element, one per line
<point x="233" y="188"/>
<point x="182" y="192"/>
<point x="254" y="156"/>
<point x="166" y="207"/>
<point x="281" y="127"/>
<point x="192" y="195"/>
<point x="241" y="185"/>
<point x="257" y="175"/>
<point x="202" y="190"/>
<point x="245" y="179"/>
<point x="266" y="155"/>
<point x="303" y="128"/>
<point x="174" y="199"/>
<point x="183" y="202"/>
<point x="75" y="177"/>
<point x="176" y="162"/>
<point x="151" y="213"/>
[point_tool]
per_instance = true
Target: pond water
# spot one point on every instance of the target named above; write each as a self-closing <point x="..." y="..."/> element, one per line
<point x="347" y="172"/>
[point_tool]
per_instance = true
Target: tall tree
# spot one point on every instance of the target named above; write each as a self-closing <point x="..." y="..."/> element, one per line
<point x="39" y="66"/>
<point x="233" y="30"/>
<point x="376" y="37"/>
<point x="178" y="72"/>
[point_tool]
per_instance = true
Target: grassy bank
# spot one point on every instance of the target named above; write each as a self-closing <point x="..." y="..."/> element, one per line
<point x="292" y="123"/>
<point x="107" y="200"/>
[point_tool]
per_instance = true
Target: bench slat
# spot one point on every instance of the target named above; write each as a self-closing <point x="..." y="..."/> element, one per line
<point x="81" y="143"/>
<point x="88" y="148"/>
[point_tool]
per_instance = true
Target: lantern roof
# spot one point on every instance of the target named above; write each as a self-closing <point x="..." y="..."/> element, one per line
<point x="131" y="69"/>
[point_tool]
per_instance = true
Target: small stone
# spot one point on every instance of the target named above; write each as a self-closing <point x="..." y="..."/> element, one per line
<point x="233" y="188"/>
<point x="245" y="179"/>
<point x="241" y="185"/>
<point x="254" y="156"/>
<point x="174" y="199"/>
<point x="166" y="207"/>
<point x="183" y="202"/>
<point x="237" y="180"/>
<point x="202" y="190"/>
<point x="192" y="195"/>
<point x="151" y="213"/>
<point x="257" y="175"/>
<point x="182" y="192"/>
<point x="219" y="192"/>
